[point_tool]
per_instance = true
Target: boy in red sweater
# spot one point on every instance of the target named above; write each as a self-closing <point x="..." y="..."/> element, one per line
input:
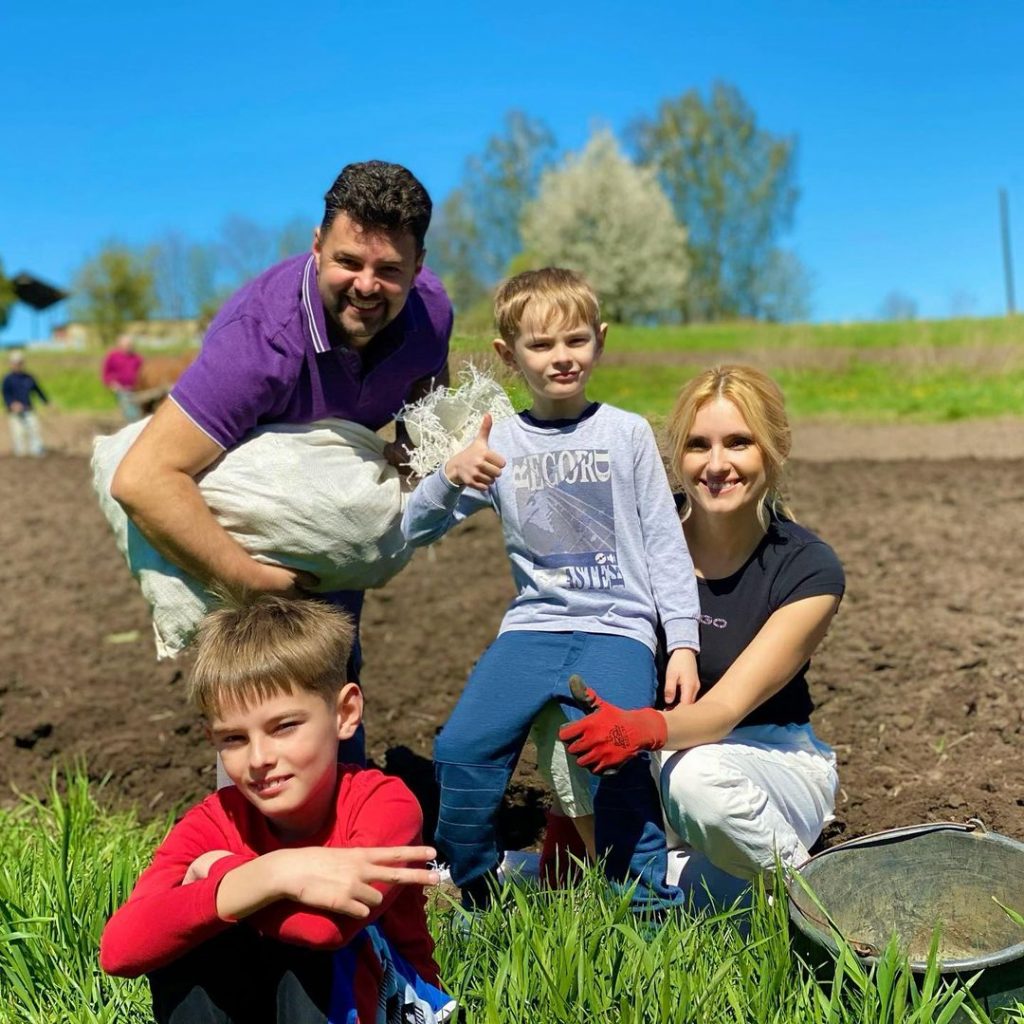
<point x="287" y="897"/>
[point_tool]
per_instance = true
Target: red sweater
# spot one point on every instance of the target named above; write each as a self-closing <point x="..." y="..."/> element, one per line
<point x="121" y="368"/>
<point x="164" y="919"/>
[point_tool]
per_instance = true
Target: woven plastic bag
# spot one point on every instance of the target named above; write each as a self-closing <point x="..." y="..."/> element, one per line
<point x="318" y="497"/>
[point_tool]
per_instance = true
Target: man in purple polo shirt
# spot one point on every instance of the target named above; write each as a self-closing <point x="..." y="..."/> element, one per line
<point x="352" y="330"/>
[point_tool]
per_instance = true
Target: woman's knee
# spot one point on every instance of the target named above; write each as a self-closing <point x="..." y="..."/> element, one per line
<point x="719" y="810"/>
<point x="704" y="797"/>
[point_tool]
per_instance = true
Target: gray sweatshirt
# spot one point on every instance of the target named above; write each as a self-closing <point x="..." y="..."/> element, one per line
<point x="590" y="526"/>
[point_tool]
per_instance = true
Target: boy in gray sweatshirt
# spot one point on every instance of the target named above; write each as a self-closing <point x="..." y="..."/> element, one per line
<point x="598" y="558"/>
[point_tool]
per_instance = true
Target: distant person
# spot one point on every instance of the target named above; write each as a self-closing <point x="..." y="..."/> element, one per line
<point x="598" y="558"/>
<point x="353" y="330"/>
<point x="120" y="374"/>
<point x="18" y="387"/>
<point x="295" y="888"/>
<point x="743" y="776"/>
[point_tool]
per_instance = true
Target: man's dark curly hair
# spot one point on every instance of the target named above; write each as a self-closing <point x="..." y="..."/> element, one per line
<point x="379" y="196"/>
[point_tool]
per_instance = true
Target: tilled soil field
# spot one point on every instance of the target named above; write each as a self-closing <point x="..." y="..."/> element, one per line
<point x="919" y="685"/>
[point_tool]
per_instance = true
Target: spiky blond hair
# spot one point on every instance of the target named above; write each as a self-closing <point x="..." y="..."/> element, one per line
<point x="558" y="296"/>
<point x="255" y="648"/>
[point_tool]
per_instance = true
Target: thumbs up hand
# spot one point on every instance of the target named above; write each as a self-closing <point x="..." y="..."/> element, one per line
<point x="477" y="465"/>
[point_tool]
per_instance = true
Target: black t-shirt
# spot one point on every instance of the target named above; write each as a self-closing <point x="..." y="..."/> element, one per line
<point x="789" y="564"/>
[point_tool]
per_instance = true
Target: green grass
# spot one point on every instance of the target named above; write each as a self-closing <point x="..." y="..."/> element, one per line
<point x="65" y="863"/>
<point x="746" y="337"/>
<point x="927" y="371"/>
<point x="72" y="382"/>
<point x="880" y="392"/>
<point x="64" y="866"/>
<point x="581" y="956"/>
<point x="858" y="391"/>
<point x="71" y="378"/>
<point x="856" y="336"/>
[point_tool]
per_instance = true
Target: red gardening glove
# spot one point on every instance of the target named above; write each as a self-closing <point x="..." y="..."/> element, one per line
<point x="610" y="736"/>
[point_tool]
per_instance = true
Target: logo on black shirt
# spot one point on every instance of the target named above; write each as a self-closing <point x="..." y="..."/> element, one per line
<point x="706" y="620"/>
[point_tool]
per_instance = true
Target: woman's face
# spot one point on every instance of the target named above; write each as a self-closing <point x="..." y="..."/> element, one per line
<point x="723" y="469"/>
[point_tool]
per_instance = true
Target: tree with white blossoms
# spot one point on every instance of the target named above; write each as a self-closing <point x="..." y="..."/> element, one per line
<point x="603" y="216"/>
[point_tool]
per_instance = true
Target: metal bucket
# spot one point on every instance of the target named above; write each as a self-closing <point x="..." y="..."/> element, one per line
<point x="912" y="881"/>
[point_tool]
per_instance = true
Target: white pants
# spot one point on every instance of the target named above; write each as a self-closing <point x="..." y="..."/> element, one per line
<point x="761" y="791"/>
<point x="25" y="436"/>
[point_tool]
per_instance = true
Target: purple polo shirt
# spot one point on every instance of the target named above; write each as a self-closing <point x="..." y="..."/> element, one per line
<point x="266" y="358"/>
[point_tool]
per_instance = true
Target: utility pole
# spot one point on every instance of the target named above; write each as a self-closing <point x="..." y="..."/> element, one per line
<point x="1004" y="222"/>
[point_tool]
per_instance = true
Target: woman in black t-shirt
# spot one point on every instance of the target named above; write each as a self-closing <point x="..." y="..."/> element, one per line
<point x="742" y="775"/>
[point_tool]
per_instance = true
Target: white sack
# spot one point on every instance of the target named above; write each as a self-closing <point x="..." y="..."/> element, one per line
<point x="318" y="497"/>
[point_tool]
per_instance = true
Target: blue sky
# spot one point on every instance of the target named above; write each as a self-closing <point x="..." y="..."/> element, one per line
<point x="125" y="121"/>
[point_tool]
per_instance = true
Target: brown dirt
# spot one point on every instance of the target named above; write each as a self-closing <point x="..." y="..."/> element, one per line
<point x="918" y="683"/>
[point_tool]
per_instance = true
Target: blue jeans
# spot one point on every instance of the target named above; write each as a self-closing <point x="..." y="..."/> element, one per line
<point x="477" y="750"/>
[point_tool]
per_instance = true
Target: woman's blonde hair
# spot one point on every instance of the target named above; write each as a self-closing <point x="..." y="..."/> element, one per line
<point x="256" y="648"/>
<point x="760" y="402"/>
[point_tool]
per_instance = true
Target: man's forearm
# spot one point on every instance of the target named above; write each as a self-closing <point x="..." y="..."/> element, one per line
<point x="171" y="514"/>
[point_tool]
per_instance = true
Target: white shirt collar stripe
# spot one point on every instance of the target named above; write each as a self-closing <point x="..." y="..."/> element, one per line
<point x="319" y="344"/>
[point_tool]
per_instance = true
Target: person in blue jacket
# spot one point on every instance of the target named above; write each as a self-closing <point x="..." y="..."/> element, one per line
<point x="19" y="387"/>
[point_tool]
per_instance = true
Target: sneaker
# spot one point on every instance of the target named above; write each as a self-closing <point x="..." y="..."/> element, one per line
<point x="466" y="923"/>
<point x="521" y="865"/>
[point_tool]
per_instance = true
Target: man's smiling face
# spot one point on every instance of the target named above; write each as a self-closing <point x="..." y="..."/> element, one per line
<point x="364" y="276"/>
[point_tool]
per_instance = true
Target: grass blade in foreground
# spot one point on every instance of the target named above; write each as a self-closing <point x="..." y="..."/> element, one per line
<point x="538" y="957"/>
<point x="64" y="865"/>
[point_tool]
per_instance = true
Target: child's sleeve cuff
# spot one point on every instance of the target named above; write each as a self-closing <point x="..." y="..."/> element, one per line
<point x="439" y="491"/>
<point x="682" y="632"/>
<point x="216" y="875"/>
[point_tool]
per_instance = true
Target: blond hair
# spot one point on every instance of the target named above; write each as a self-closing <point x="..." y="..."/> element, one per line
<point x="255" y="648"/>
<point x="560" y="296"/>
<point x="760" y="402"/>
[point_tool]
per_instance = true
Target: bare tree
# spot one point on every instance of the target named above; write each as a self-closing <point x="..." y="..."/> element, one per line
<point x="184" y="274"/>
<point x="246" y="249"/>
<point x="476" y="231"/>
<point x="784" y="287"/>
<point x="168" y="258"/>
<point x="502" y="180"/>
<point x="293" y="237"/>
<point x="962" y="302"/>
<point x="897" y="305"/>
<point x="733" y="184"/>
<point x="453" y="251"/>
